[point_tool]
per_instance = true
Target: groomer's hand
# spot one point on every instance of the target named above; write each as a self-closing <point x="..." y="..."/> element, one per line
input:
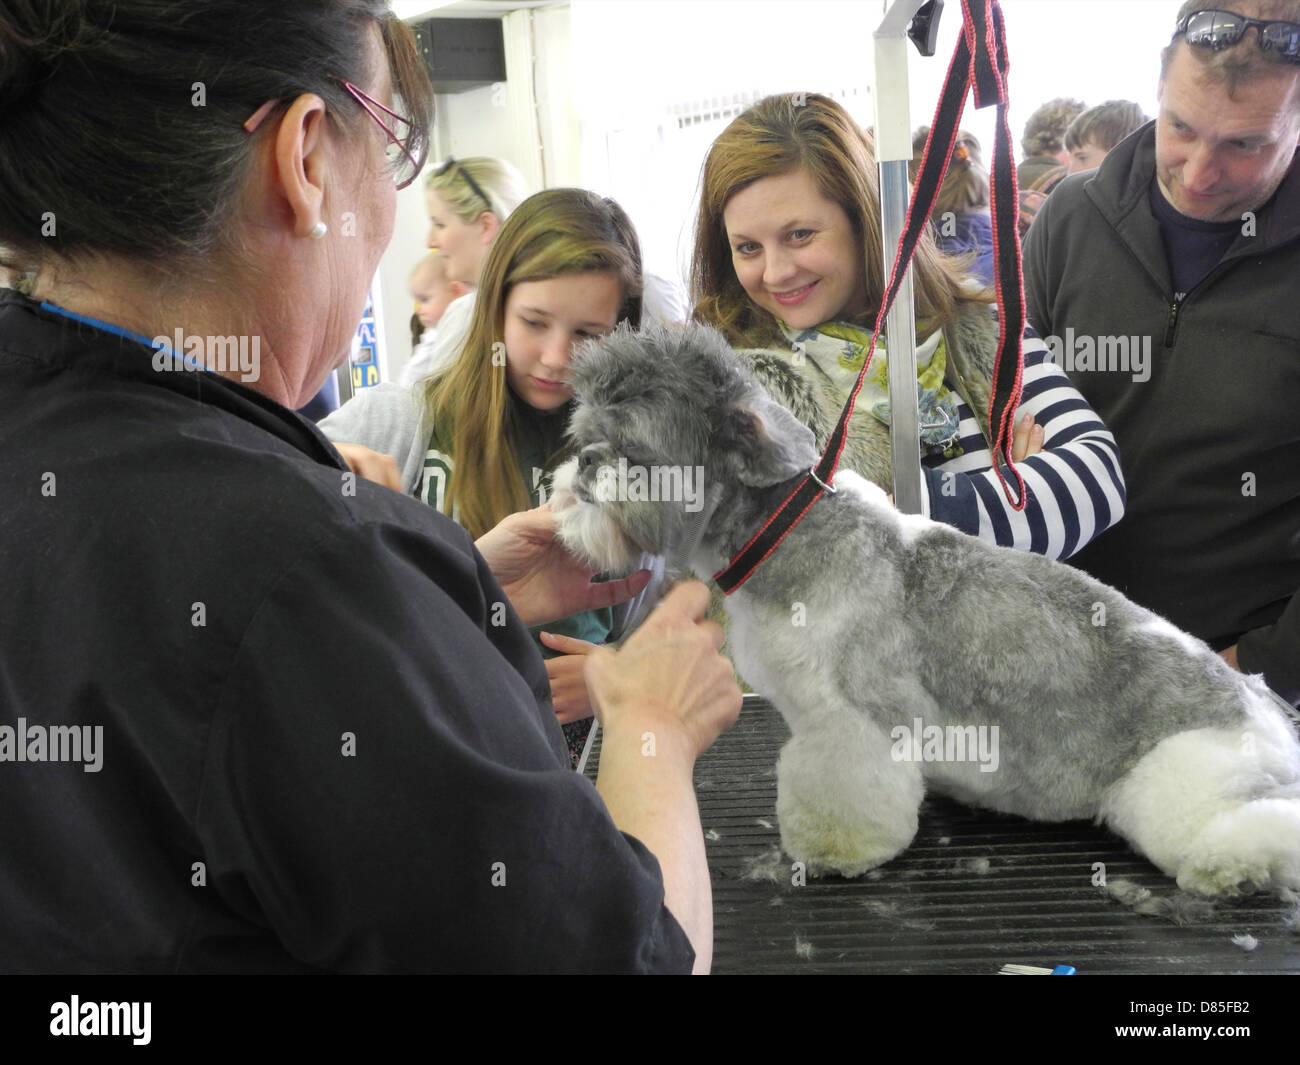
<point x="542" y="580"/>
<point x="662" y="698"/>
<point x="568" y="685"/>
<point x="371" y="465"/>
<point x="1027" y="439"/>
<point x="669" y="678"/>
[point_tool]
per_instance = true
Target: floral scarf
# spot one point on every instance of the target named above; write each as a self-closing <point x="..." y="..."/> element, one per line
<point x="838" y="350"/>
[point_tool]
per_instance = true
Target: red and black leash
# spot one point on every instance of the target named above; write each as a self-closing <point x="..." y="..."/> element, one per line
<point x="979" y="61"/>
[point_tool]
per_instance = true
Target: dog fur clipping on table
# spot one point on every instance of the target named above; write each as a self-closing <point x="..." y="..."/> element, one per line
<point x="871" y="630"/>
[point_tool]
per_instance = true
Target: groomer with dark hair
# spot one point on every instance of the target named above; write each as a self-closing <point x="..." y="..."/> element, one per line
<point x="1187" y="241"/>
<point x="255" y="714"/>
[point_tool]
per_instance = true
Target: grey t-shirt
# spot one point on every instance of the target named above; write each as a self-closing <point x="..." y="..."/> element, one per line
<point x="385" y="418"/>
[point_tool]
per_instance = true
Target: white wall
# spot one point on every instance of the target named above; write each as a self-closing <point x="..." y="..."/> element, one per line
<point x="556" y="104"/>
<point x="647" y="62"/>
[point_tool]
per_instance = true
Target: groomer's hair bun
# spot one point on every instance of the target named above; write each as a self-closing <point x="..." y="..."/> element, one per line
<point x="34" y="36"/>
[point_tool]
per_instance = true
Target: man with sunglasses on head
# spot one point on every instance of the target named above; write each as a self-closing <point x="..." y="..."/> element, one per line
<point x="1167" y="279"/>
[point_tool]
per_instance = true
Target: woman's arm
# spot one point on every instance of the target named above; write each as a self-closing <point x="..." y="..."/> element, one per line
<point x="1076" y="488"/>
<point x="656" y="724"/>
<point x="657" y="720"/>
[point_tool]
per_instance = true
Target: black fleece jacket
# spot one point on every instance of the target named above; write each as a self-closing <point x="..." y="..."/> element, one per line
<point x="1210" y="443"/>
<point x="327" y="741"/>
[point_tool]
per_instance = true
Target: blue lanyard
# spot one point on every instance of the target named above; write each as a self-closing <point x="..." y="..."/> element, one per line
<point x="107" y="327"/>
<point x="117" y="330"/>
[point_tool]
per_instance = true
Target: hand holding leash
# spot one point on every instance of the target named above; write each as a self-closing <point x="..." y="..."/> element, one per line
<point x="669" y="680"/>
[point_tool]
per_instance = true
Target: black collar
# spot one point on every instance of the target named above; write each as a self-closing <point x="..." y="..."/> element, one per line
<point x="62" y="345"/>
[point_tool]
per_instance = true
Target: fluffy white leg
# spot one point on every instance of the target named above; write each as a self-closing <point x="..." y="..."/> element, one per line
<point x="1218" y="809"/>
<point x="844" y="804"/>
<point x="1256" y="844"/>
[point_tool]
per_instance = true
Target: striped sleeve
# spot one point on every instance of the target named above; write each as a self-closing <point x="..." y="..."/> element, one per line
<point x="1076" y="489"/>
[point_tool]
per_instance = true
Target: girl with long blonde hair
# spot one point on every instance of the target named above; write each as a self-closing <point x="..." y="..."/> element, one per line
<point x="480" y="439"/>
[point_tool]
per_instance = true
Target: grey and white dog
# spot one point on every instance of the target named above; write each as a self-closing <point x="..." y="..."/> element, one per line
<point x="902" y="652"/>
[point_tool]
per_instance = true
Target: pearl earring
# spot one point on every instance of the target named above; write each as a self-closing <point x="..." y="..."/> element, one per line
<point x="319" y="230"/>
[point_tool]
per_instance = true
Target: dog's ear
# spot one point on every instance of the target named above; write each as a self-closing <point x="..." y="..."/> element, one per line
<point x="767" y="442"/>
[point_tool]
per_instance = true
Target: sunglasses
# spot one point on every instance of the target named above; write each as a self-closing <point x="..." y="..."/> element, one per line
<point x="474" y="186"/>
<point x="404" y="165"/>
<point x="1222" y="29"/>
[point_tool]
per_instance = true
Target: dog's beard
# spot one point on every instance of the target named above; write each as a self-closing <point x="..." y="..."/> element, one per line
<point x="588" y="530"/>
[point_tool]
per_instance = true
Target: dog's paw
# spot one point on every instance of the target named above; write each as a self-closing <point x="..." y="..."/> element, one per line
<point x="844" y="804"/>
<point x="835" y="847"/>
<point x="1255" y="847"/>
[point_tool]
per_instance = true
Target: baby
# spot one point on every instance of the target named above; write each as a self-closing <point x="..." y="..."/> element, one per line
<point x="432" y="292"/>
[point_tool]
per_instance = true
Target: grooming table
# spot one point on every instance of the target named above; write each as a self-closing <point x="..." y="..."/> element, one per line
<point x="938" y="907"/>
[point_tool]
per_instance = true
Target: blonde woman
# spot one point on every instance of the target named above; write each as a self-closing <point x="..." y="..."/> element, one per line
<point x="468" y="201"/>
<point x="479" y="440"/>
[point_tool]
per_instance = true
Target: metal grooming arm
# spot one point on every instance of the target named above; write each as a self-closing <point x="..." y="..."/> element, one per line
<point x="893" y="153"/>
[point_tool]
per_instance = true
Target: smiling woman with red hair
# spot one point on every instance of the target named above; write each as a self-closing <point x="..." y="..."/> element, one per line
<point x="788" y="265"/>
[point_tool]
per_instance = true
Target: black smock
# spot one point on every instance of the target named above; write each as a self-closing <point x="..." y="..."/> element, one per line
<point x="326" y="743"/>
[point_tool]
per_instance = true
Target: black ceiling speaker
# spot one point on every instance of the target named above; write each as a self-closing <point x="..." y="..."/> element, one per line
<point x="462" y="53"/>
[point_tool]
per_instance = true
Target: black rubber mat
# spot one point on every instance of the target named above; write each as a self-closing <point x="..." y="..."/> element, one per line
<point x="975" y="891"/>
